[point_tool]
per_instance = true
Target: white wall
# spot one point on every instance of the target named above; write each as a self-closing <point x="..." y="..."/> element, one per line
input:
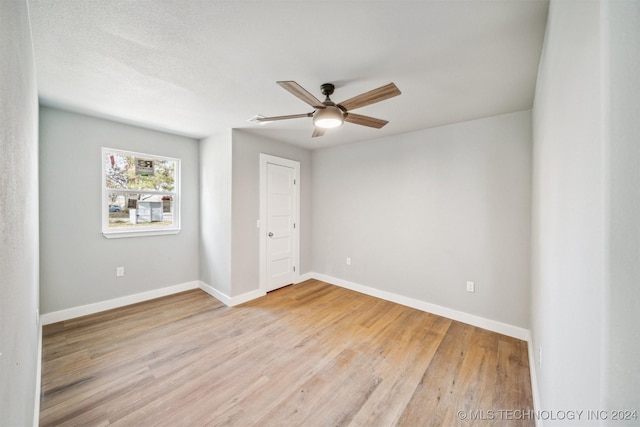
<point x="622" y="121"/>
<point x="420" y="214"/>
<point x="77" y="263"/>
<point x="18" y="218"/>
<point x="569" y="211"/>
<point x="215" y="212"/>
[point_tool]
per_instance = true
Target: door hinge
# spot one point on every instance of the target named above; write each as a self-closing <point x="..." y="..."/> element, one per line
<point x="294" y="225"/>
<point x="294" y="182"/>
<point x="294" y="268"/>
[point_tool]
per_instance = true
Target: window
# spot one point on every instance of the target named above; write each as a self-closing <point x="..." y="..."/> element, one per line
<point x="140" y="194"/>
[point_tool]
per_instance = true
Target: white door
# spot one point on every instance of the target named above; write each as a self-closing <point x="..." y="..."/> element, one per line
<point x="280" y="221"/>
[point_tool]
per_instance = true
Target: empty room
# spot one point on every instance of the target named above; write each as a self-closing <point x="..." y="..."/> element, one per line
<point x="320" y="213"/>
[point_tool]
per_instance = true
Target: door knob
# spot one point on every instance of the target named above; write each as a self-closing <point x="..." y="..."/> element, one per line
<point x="270" y="234"/>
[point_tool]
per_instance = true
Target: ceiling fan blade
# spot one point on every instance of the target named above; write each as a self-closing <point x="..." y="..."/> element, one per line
<point x="359" y="119"/>
<point x="371" y="97"/>
<point x="301" y="93"/>
<point x="318" y="132"/>
<point x="261" y="119"/>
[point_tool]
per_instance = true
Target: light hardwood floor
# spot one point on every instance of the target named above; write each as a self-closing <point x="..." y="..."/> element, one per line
<point x="311" y="354"/>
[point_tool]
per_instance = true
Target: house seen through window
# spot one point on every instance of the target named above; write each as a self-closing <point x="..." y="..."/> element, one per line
<point x="140" y="194"/>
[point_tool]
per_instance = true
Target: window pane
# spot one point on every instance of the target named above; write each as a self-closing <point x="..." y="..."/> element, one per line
<point x="129" y="172"/>
<point x="140" y="210"/>
<point x="140" y="194"/>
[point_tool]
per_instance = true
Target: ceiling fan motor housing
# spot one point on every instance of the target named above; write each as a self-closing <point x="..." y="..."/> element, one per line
<point x="327" y="89"/>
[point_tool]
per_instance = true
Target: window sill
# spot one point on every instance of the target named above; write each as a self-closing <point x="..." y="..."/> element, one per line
<point x="139" y="233"/>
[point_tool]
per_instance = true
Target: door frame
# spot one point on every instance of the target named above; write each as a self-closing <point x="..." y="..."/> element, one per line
<point x="266" y="159"/>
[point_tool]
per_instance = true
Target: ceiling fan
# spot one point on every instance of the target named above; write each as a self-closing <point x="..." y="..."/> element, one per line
<point x="327" y="114"/>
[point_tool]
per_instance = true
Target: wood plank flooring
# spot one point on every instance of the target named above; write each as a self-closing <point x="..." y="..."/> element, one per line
<point x="311" y="354"/>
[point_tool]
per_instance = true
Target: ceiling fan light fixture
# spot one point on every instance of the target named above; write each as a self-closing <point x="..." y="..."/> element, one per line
<point x="328" y="117"/>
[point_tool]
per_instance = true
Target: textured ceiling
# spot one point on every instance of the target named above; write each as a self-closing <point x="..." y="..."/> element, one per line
<point x="197" y="67"/>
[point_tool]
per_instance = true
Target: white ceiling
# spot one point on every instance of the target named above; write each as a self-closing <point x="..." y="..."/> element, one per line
<point x="197" y="67"/>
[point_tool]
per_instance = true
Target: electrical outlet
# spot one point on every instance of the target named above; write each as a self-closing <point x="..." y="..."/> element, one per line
<point x="348" y="261"/>
<point x="471" y="287"/>
<point x="119" y="271"/>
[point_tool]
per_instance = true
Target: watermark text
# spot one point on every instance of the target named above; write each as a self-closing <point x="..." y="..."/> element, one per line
<point x="555" y="415"/>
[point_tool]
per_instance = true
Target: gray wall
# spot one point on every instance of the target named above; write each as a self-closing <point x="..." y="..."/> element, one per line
<point x="622" y="32"/>
<point x="246" y="206"/>
<point x="230" y="208"/>
<point x="421" y="213"/>
<point x="18" y="218"/>
<point x="77" y="263"/>
<point x="215" y="212"/>
<point x="568" y="215"/>
<point x="586" y="208"/>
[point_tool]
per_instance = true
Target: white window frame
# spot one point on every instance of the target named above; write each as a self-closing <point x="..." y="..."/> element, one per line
<point x="146" y="230"/>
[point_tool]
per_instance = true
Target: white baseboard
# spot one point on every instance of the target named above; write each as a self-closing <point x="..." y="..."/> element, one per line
<point x="72" y="313"/>
<point x="231" y="301"/>
<point x="471" y="319"/>
<point x="248" y="296"/>
<point x="303" y="277"/>
<point x="36" y="402"/>
<point x="534" y="380"/>
<point x="215" y="293"/>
